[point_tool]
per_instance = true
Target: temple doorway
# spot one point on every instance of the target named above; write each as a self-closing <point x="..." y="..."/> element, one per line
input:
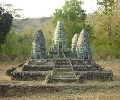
<point x="60" y="50"/>
<point x="38" y="55"/>
<point x="86" y="55"/>
<point x="60" y="46"/>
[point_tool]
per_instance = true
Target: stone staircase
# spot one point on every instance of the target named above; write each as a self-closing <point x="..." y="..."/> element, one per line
<point x="63" y="71"/>
<point x="61" y="54"/>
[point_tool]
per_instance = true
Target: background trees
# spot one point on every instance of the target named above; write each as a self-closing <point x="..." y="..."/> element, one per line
<point x="73" y="17"/>
<point x="105" y="43"/>
<point x="5" y="24"/>
<point x="108" y="9"/>
<point x="7" y="13"/>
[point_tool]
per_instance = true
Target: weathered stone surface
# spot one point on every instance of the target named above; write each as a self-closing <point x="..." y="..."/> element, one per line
<point x="64" y="64"/>
<point x="74" y="43"/>
<point x="63" y="71"/>
<point x="38" y="46"/>
<point x="59" y="38"/>
<point x="83" y="46"/>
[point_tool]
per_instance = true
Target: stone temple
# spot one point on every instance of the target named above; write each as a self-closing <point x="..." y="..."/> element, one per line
<point x="80" y="47"/>
<point x="60" y="63"/>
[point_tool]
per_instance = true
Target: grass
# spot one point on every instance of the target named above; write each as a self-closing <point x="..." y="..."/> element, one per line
<point x="67" y="95"/>
<point x="8" y="63"/>
<point x="109" y="91"/>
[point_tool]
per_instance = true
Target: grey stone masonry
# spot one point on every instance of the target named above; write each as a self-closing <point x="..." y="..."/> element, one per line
<point x="83" y="46"/>
<point x="59" y="39"/>
<point x="38" y="46"/>
<point x="74" y="43"/>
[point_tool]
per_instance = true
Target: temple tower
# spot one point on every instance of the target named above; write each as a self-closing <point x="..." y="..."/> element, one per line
<point x="59" y="41"/>
<point x="74" y="43"/>
<point x="84" y="51"/>
<point x="38" y="46"/>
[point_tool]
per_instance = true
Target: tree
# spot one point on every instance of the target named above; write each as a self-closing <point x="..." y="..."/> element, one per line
<point x="73" y="17"/>
<point x="5" y="24"/>
<point x="103" y="45"/>
<point x="10" y="9"/>
<point x="7" y="13"/>
<point x="108" y="11"/>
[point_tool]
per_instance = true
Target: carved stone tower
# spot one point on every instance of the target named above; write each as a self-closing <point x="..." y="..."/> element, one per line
<point x="74" y="43"/>
<point x="59" y="41"/>
<point x="38" y="46"/>
<point x="84" y="51"/>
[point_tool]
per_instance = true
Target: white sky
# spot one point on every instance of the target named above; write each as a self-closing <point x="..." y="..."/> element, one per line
<point x="40" y="8"/>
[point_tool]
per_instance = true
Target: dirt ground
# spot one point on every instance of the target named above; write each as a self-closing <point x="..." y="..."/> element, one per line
<point x="112" y="93"/>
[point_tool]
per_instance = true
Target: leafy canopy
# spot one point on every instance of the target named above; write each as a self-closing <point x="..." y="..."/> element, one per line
<point x="7" y="13"/>
<point x="73" y="17"/>
<point x="5" y="24"/>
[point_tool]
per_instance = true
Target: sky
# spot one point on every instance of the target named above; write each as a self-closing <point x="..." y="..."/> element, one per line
<point x="40" y="8"/>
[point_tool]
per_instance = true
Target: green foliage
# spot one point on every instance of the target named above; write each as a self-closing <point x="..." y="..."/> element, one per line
<point x="72" y="16"/>
<point x="7" y="12"/>
<point x="104" y="50"/>
<point x="5" y="25"/>
<point x="48" y="30"/>
<point x="9" y="8"/>
<point x="17" y="45"/>
<point x="108" y="6"/>
<point x="74" y="20"/>
<point x="103" y="46"/>
<point x="20" y="44"/>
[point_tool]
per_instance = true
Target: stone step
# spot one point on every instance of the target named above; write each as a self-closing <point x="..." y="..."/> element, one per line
<point x="63" y="66"/>
<point x="63" y="69"/>
<point x="62" y="79"/>
<point x="64" y="74"/>
<point x="62" y="63"/>
<point x="62" y="60"/>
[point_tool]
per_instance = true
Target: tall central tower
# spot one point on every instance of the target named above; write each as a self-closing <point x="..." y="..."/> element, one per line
<point x="59" y="41"/>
